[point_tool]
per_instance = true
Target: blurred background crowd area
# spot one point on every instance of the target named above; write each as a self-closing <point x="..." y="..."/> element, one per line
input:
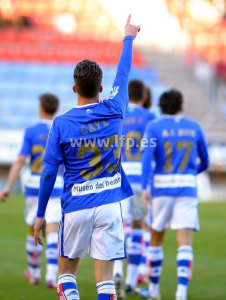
<point x="182" y="45"/>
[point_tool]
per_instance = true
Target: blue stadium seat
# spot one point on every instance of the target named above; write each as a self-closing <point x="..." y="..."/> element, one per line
<point x="22" y="83"/>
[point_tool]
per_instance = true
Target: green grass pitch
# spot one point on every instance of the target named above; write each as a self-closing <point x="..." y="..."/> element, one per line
<point x="209" y="275"/>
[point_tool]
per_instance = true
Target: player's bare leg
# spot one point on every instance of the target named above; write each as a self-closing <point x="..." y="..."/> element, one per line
<point x="68" y="266"/>
<point x="67" y="285"/>
<point x="155" y="260"/>
<point x="184" y="261"/>
<point x="157" y="238"/>
<point x="52" y="255"/>
<point x="103" y="270"/>
<point x="34" y="252"/>
<point x="104" y="279"/>
<point x="185" y="237"/>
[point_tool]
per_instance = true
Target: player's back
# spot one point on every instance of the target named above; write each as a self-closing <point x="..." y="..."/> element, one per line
<point x="34" y="144"/>
<point x="90" y="135"/>
<point x="179" y="144"/>
<point x="91" y="152"/>
<point x="134" y="125"/>
<point x="36" y="137"/>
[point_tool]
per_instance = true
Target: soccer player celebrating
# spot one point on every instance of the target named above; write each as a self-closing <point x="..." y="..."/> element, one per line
<point x="180" y="154"/>
<point x="87" y="140"/>
<point x="134" y="126"/>
<point x="33" y="146"/>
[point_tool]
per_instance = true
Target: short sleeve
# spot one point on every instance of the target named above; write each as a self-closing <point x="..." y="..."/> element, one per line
<point x="53" y="152"/>
<point x="26" y="146"/>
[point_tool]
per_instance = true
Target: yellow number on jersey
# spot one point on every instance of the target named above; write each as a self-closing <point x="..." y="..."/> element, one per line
<point x="134" y="136"/>
<point x="37" y="164"/>
<point x="96" y="161"/>
<point x="179" y="146"/>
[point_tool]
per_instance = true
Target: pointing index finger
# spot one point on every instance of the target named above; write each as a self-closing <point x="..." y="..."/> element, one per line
<point x="128" y="20"/>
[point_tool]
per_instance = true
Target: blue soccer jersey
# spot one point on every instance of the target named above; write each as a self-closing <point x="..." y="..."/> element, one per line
<point x="134" y="126"/>
<point x="86" y="140"/>
<point x="180" y="154"/>
<point x="34" y="143"/>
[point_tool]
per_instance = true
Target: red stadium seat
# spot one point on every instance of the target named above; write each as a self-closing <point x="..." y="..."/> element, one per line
<point x="50" y="46"/>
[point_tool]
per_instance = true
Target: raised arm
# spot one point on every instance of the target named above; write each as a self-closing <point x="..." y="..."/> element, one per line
<point x="119" y="93"/>
<point x="125" y="61"/>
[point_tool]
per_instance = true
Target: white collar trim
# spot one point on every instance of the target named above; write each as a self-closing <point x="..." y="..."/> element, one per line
<point x="86" y="105"/>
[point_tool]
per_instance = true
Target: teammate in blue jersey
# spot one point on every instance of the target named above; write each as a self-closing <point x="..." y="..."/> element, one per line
<point x="87" y="140"/>
<point x="33" y="147"/>
<point x="180" y="155"/>
<point x="134" y="125"/>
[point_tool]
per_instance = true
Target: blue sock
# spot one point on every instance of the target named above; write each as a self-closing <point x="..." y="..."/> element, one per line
<point x="143" y="263"/>
<point x="34" y="253"/>
<point x="52" y="256"/>
<point x="184" y="269"/>
<point x="67" y="287"/>
<point x="155" y="260"/>
<point x="106" y="290"/>
<point x="135" y="251"/>
<point x="107" y="297"/>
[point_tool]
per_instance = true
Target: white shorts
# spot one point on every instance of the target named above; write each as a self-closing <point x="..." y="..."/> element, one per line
<point x="53" y="210"/>
<point x="98" y="230"/>
<point x="132" y="207"/>
<point x="179" y="212"/>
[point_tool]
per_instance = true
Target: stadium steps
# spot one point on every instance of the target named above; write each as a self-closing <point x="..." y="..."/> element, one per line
<point x="173" y="72"/>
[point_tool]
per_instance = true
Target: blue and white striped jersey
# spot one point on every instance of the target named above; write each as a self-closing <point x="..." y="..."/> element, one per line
<point x="180" y="154"/>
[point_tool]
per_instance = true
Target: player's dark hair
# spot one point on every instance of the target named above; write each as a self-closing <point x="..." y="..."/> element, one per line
<point x="171" y="102"/>
<point x="88" y="77"/>
<point x="49" y="103"/>
<point x="136" y="90"/>
<point x="148" y="97"/>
